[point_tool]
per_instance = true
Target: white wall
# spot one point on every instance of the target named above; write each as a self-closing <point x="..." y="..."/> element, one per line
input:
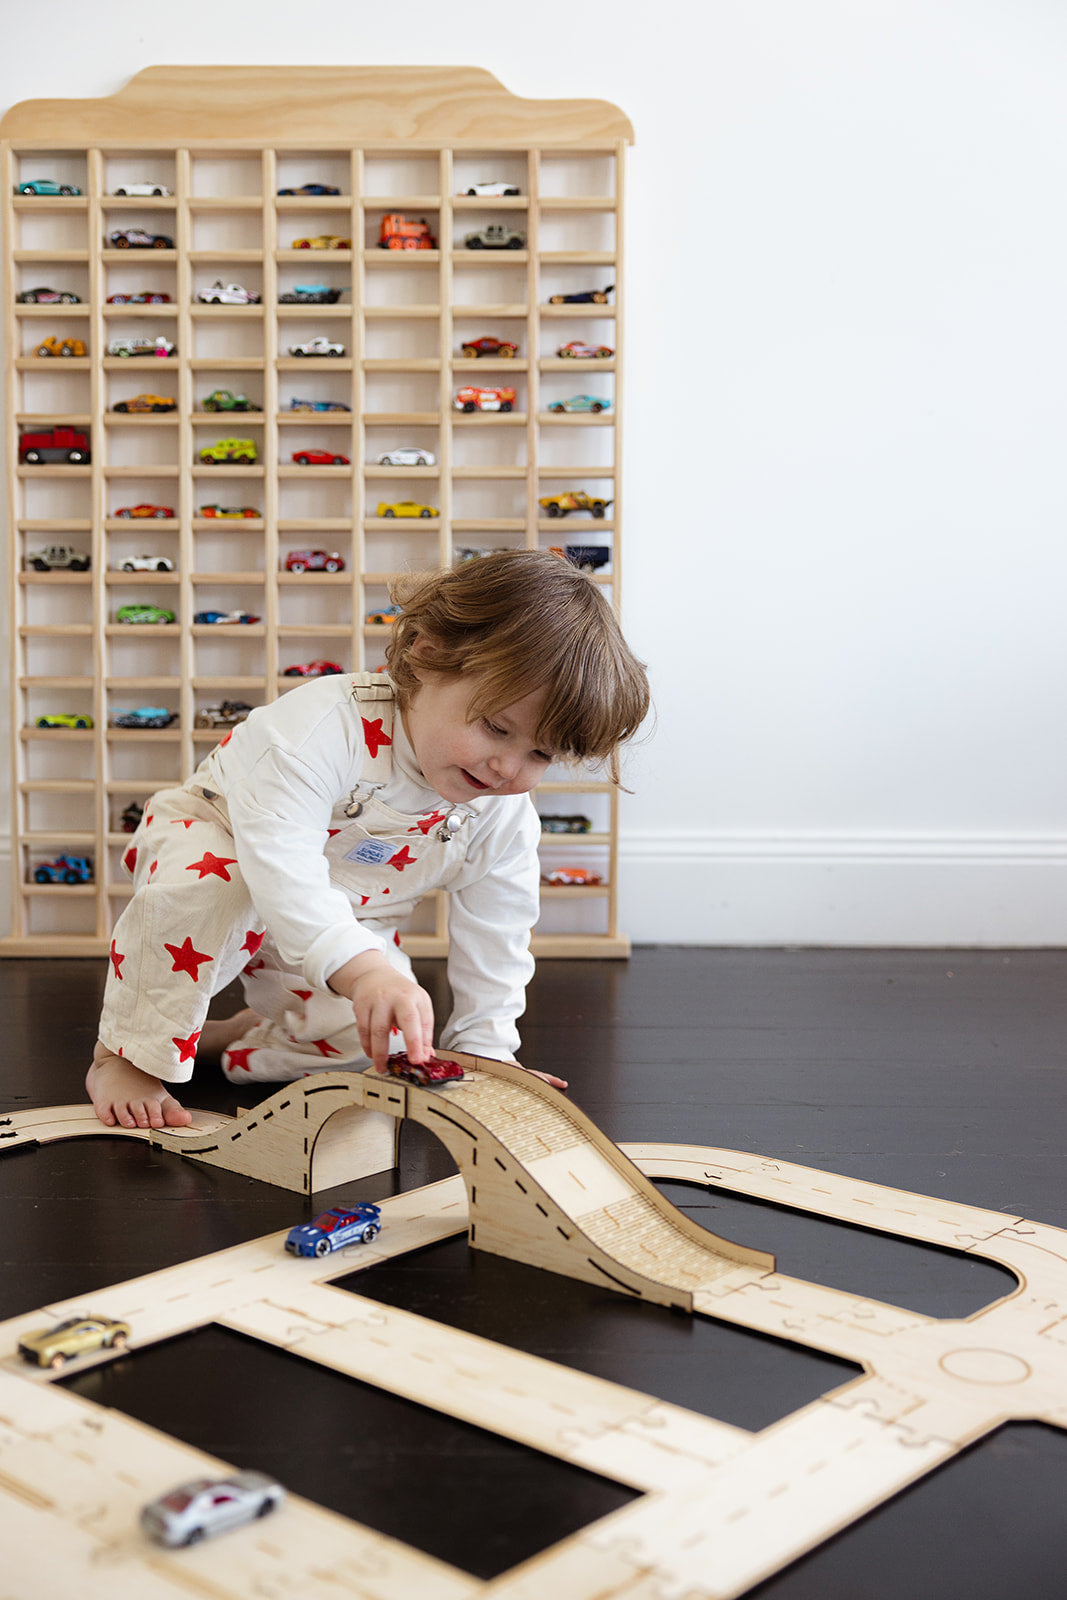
<point x="846" y="360"/>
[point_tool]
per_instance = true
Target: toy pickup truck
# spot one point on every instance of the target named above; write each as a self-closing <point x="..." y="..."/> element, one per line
<point x="58" y="444"/>
<point x="58" y="556"/>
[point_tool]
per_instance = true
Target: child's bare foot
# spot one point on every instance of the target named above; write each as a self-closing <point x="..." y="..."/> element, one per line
<point x="217" y="1036"/>
<point x="125" y="1096"/>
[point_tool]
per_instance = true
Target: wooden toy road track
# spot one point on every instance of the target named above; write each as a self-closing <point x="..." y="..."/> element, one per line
<point x="544" y="1185"/>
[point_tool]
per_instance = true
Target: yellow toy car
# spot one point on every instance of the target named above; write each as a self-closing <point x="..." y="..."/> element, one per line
<point x="147" y="402"/>
<point x="64" y="346"/>
<point x="407" y="508"/>
<point x="323" y="241"/>
<point x="75" y="1336"/>
<point x="241" y="450"/>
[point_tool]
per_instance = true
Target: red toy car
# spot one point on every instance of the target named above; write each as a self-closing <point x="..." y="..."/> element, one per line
<point x="313" y="669"/>
<point x="585" y="352"/>
<point x="488" y="346"/>
<point x="145" y="510"/>
<point x="314" y="561"/>
<point x="573" y="876"/>
<point x="471" y="398"/>
<point x="426" y="1073"/>
<point x="319" y="458"/>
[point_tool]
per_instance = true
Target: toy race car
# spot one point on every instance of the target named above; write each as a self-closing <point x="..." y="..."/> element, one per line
<point x="312" y="188"/>
<point x="145" y="564"/>
<point x="137" y="614"/>
<point x="59" y="345"/>
<point x="146" y="402"/>
<point x="226" y="400"/>
<point x="314" y="561"/>
<point x="47" y="186"/>
<point x="145" y="510"/>
<point x="138" y="239"/>
<point x="490" y="346"/>
<point x="141" y="189"/>
<point x="581" y="402"/>
<point x="577" y="877"/>
<point x="212" y="617"/>
<point x="578" y="350"/>
<point x="406" y="508"/>
<point x="427" y="1074"/>
<point x="64" y="869"/>
<point x="561" y="822"/>
<point x="145" y="717"/>
<point x="491" y="190"/>
<point x="228" y="511"/>
<point x="64" y="719"/>
<point x="310" y="294"/>
<point x="406" y="456"/>
<point x="319" y="458"/>
<point x="313" y="669"/>
<point x="470" y="398"/>
<point x="226" y="715"/>
<point x="160" y="346"/>
<point x="43" y="296"/>
<point x="317" y="347"/>
<point x="227" y="294"/>
<point x="143" y="297"/>
<point x="334" y="1229"/>
<point x="587" y="297"/>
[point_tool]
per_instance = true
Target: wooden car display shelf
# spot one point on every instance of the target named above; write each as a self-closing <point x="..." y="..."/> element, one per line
<point x="405" y="144"/>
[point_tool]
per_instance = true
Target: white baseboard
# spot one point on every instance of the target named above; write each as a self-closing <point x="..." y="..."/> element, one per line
<point x="719" y="889"/>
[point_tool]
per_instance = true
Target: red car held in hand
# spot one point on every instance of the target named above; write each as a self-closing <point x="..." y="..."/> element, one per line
<point x="425" y="1073"/>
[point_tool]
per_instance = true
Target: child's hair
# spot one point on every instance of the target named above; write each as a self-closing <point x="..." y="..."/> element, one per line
<point x="518" y="622"/>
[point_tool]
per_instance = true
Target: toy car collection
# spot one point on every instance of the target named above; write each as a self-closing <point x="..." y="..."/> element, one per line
<point x="212" y="618"/>
<point x="322" y="241"/>
<point x="471" y="398"/>
<point x="227" y="294"/>
<point x="587" y="297"/>
<point x="406" y="508"/>
<point x="145" y="717"/>
<point x="318" y="405"/>
<point x="139" y="614"/>
<point x="317" y="347"/>
<point x="44" y="296"/>
<point x="228" y="511"/>
<point x="145" y="510"/>
<point x="226" y="715"/>
<point x="488" y="346"/>
<point x="398" y="233"/>
<point x="342" y="1225"/>
<point x="493" y="189"/>
<point x="55" y="556"/>
<point x="144" y="297"/>
<point x="46" y="186"/>
<point x="406" y="456"/>
<point x="142" y="189"/>
<point x="313" y="669"/>
<point x="496" y="236"/>
<point x="226" y="400"/>
<point x="222" y="451"/>
<point x="426" y="1074"/>
<point x="74" y="1336"/>
<point x="145" y="564"/>
<point x="57" y="444"/>
<point x="312" y="188"/>
<point x="314" y="561"/>
<point x="138" y="239"/>
<point x="572" y="877"/>
<point x="147" y="402"/>
<point x="319" y="458"/>
<point x="310" y="294"/>
<point x="70" y="870"/>
<point x="160" y="346"/>
<point x="559" y="505"/>
<point x="581" y="402"/>
<point x="576" y="350"/>
<point x="559" y="822"/>
<point x="57" y="345"/>
<point x="207" y="1506"/>
<point x="64" y="719"/>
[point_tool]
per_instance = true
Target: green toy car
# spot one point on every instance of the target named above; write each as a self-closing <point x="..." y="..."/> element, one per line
<point x="141" y="613"/>
<point x="223" y="400"/>
<point x="242" y="451"/>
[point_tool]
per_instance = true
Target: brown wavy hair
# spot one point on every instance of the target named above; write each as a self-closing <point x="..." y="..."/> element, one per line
<point x="518" y="622"/>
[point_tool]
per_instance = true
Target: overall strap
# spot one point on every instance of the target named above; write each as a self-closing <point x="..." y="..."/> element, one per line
<point x="376" y="699"/>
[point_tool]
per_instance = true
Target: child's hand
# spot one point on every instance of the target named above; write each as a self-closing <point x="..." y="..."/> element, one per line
<point x="383" y="999"/>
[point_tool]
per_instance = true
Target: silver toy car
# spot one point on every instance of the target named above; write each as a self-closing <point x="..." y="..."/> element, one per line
<point x="206" y="1506"/>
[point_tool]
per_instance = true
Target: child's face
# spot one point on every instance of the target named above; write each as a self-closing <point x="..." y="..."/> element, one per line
<point x="461" y="759"/>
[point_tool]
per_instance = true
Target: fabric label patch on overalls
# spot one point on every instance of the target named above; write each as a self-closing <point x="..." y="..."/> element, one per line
<point x="372" y="852"/>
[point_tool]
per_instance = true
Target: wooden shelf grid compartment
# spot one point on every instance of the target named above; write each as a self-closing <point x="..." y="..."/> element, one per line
<point x="404" y="140"/>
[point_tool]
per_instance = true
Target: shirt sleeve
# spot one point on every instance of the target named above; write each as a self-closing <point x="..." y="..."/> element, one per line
<point x="281" y="783"/>
<point x="493" y="905"/>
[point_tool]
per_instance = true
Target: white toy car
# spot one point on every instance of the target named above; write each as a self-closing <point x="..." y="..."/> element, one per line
<point x="145" y="564"/>
<point x="407" y="456"/>
<point x="159" y="346"/>
<point x="143" y="189"/>
<point x="207" y="1506"/>
<point x="227" y="294"/>
<point x="493" y="190"/>
<point x="317" y="347"/>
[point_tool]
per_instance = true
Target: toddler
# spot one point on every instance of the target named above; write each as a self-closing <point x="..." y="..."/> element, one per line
<point x="299" y="846"/>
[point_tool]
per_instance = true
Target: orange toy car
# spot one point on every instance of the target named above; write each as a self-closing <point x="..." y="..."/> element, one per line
<point x="54" y="346"/>
<point x="397" y="233"/>
<point x="471" y="398"/>
<point x="579" y="876"/>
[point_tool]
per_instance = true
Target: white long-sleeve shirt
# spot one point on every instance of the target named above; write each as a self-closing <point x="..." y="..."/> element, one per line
<point x="283" y="773"/>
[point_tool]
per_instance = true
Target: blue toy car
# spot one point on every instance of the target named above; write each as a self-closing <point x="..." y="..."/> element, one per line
<point x="334" y="1229"/>
<point x="145" y="717"/>
<point x="47" y="186"/>
<point x="65" y="869"/>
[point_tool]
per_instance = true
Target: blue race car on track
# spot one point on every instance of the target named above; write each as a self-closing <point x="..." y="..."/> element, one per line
<point x="334" y="1229"/>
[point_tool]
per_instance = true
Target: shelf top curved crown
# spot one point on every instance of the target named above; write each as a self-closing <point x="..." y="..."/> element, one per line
<point x="317" y="106"/>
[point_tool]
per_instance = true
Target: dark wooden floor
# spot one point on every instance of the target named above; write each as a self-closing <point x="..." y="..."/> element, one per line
<point x="941" y="1072"/>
